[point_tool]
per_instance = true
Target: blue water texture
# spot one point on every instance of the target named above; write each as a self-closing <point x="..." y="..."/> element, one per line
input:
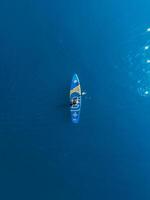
<point x="43" y="155"/>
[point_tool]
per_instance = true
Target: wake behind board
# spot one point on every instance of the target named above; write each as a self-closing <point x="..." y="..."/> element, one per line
<point x="75" y="94"/>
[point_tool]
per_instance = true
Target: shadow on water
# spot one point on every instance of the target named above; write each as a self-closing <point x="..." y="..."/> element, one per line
<point x="61" y="103"/>
<point x="63" y="110"/>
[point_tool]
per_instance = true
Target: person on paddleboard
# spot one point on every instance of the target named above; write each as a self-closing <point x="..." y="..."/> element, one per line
<point x="75" y="101"/>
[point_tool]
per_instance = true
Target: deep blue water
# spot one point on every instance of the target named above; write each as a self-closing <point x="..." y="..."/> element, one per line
<point x="42" y="154"/>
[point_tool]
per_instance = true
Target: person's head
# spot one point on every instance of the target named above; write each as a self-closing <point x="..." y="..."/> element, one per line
<point x="74" y="101"/>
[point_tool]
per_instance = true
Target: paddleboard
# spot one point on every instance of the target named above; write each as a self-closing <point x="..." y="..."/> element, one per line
<point x="75" y="94"/>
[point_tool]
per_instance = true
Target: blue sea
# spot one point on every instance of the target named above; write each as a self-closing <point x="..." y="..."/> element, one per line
<point x="43" y="156"/>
